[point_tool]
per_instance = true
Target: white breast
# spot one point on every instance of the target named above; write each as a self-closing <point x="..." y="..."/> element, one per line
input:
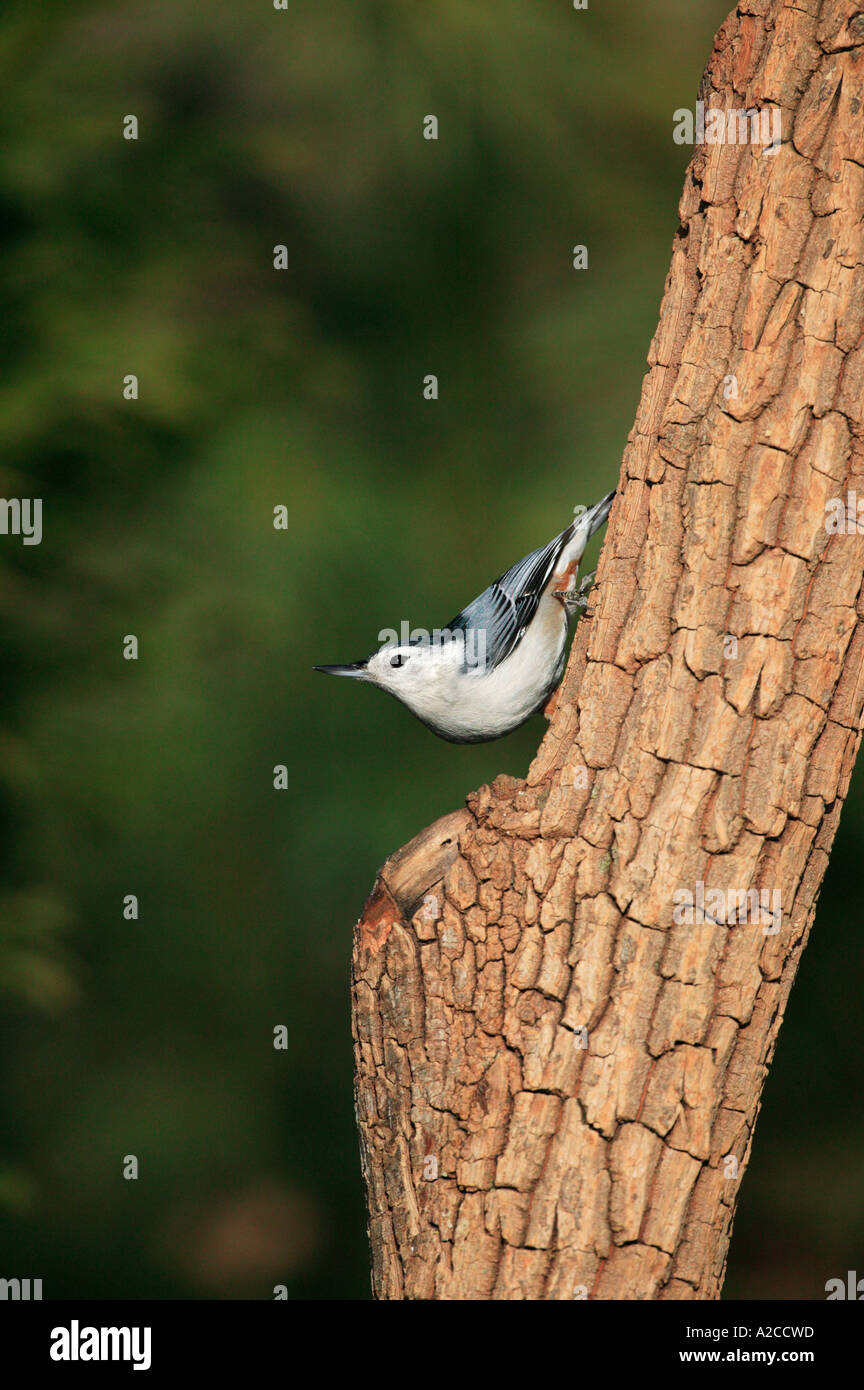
<point x="477" y="705"/>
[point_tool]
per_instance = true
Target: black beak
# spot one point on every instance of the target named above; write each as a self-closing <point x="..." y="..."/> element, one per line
<point x="353" y="668"/>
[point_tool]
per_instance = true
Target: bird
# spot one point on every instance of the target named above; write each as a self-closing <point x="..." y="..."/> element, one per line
<point x="498" y="661"/>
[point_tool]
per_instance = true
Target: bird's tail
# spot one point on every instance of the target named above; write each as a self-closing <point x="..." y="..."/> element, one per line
<point x="574" y="540"/>
<point x="592" y="519"/>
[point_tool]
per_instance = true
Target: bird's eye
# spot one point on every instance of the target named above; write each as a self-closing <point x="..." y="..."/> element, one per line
<point x="398" y="660"/>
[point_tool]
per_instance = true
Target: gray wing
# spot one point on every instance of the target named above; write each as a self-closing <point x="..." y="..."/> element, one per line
<point x="504" y="610"/>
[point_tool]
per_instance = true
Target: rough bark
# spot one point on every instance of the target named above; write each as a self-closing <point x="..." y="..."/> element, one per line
<point x="507" y="1153"/>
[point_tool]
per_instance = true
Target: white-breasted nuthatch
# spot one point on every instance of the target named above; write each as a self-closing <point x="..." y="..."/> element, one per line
<point x="498" y="661"/>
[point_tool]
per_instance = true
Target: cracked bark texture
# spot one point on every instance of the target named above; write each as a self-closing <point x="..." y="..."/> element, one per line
<point x="504" y="1159"/>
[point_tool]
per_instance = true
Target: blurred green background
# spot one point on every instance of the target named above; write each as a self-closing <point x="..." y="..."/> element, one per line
<point x="303" y="388"/>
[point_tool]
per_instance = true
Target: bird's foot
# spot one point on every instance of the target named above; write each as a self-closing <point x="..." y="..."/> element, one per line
<point x="577" y="602"/>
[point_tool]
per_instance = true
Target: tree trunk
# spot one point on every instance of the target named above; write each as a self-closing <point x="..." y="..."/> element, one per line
<point x="563" y="1015"/>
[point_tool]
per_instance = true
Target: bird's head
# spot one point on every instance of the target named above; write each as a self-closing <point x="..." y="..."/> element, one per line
<point x="402" y="668"/>
<point x="409" y="670"/>
<point x="392" y="667"/>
